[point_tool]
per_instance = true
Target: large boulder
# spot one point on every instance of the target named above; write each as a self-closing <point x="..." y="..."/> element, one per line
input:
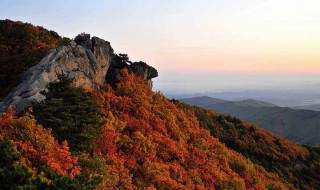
<point x="86" y="62"/>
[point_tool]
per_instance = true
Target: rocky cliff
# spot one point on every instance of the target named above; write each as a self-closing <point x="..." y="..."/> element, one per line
<point x="138" y="68"/>
<point x="86" y="60"/>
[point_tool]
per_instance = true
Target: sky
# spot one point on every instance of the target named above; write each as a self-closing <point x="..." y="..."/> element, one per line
<point x="196" y="45"/>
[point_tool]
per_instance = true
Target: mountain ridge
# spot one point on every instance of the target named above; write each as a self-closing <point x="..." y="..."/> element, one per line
<point x="119" y="134"/>
<point x="284" y="121"/>
<point x="86" y="60"/>
<point x="314" y="107"/>
<point x="23" y="45"/>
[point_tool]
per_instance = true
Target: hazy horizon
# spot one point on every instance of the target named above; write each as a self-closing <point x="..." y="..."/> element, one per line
<point x="197" y="46"/>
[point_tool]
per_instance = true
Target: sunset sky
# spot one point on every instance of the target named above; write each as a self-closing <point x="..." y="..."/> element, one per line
<point x="202" y="45"/>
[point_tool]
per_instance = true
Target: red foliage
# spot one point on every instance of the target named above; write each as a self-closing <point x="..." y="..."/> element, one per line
<point x="36" y="144"/>
<point x="160" y="146"/>
<point x="22" y="45"/>
<point x="274" y="153"/>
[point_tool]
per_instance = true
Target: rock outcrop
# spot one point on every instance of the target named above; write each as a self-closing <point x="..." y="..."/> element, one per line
<point x="145" y="71"/>
<point x="85" y="60"/>
<point x="86" y="66"/>
<point x="140" y="69"/>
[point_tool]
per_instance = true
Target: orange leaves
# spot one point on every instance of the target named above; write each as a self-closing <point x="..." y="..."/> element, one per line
<point x="108" y="140"/>
<point x="162" y="146"/>
<point x="109" y="102"/>
<point x="22" y="46"/>
<point x="146" y="142"/>
<point x="36" y="144"/>
<point x="246" y="138"/>
<point x="60" y="159"/>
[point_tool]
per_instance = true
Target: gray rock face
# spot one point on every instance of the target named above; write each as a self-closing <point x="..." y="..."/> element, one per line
<point x="145" y="71"/>
<point x="87" y="62"/>
<point x="90" y="62"/>
<point x="140" y="69"/>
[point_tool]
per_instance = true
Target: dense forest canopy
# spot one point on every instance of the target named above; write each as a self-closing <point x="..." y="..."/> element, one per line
<point x="295" y="163"/>
<point x="144" y="140"/>
<point x="126" y="136"/>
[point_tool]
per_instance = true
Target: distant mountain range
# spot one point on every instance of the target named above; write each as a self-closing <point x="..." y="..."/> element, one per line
<point x="284" y="97"/>
<point x="314" y="107"/>
<point x="299" y="124"/>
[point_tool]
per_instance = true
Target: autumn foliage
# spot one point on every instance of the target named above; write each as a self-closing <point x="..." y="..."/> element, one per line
<point x="148" y="142"/>
<point x="36" y="145"/>
<point x="145" y="141"/>
<point x="128" y="137"/>
<point x="298" y="164"/>
<point x="22" y="45"/>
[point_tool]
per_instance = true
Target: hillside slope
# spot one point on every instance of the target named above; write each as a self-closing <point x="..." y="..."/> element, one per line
<point x="145" y="142"/>
<point x="90" y="62"/>
<point x="122" y="135"/>
<point x="275" y="153"/>
<point x="22" y="45"/>
<point x="300" y="126"/>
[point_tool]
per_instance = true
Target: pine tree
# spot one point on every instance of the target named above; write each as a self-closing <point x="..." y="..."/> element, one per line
<point x="71" y="113"/>
<point x="12" y="174"/>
